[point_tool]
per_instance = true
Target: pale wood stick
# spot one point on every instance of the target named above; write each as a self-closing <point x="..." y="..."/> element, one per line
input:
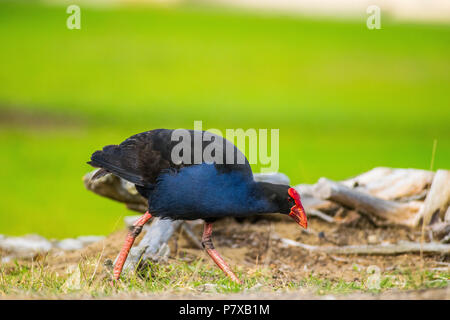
<point x="319" y="214"/>
<point x="382" y="249"/>
<point x="437" y="200"/>
<point x="392" y="183"/>
<point x="390" y="211"/>
<point x="156" y="236"/>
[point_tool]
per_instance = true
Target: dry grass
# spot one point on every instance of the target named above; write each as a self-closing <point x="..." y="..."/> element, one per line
<point x="266" y="268"/>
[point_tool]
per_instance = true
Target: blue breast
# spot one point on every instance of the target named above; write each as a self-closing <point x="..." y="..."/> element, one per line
<point x="200" y="191"/>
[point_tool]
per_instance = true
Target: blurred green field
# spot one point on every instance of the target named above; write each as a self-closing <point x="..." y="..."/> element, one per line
<point x="345" y="98"/>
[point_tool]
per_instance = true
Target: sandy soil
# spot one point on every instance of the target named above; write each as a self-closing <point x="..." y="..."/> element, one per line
<point x="252" y="245"/>
<point x="255" y="244"/>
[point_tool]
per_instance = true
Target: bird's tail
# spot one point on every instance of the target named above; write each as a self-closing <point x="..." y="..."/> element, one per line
<point x="112" y="159"/>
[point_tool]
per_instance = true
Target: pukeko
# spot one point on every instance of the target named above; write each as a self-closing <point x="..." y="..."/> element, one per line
<point x="190" y="190"/>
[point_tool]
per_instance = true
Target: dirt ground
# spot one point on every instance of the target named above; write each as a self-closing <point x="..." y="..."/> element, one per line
<point x="250" y="245"/>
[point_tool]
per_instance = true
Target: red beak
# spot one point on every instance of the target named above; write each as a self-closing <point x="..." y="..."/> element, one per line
<point x="299" y="215"/>
<point x="297" y="212"/>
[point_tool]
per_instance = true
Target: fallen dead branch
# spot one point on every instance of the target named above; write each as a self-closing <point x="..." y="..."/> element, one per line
<point x="382" y="249"/>
<point x="386" y="196"/>
<point x="191" y="236"/>
<point x="389" y="212"/>
<point x="113" y="187"/>
<point x="437" y="200"/>
<point x="319" y="214"/>
<point x="392" y="183"/>
<point x="153" y="245"/>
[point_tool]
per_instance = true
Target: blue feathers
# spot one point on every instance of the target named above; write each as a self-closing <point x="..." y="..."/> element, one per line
<point x="200" y="191"/>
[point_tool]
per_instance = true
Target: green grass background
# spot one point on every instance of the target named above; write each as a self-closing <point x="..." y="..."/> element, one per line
<point x="345" y="98"/>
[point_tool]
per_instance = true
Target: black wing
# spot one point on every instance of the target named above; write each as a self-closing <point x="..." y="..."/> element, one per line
<point x="141" y="158"/>
<point x="136" y="159"/>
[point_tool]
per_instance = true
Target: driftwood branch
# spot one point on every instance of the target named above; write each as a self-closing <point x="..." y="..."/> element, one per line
<point x="319" y="214"/>
<point x="441" y="229"/>
<point x="390" y="212"/>
<point x="383" y="249"/>
<point x="392" y="183"/>
<point x="437" y="200"/>
<point x="153" y="245"/>
<point x="113" y="187"/>
<point x="311" y="201"/>
<point x="191" y="236"/>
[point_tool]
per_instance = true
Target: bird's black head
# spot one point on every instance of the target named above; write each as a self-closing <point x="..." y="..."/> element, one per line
<point x="286" y="199"/>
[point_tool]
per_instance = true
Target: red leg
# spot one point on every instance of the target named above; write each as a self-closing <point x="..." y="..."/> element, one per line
<point x="209" y="247"/>
<point x="134" y="232"/>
